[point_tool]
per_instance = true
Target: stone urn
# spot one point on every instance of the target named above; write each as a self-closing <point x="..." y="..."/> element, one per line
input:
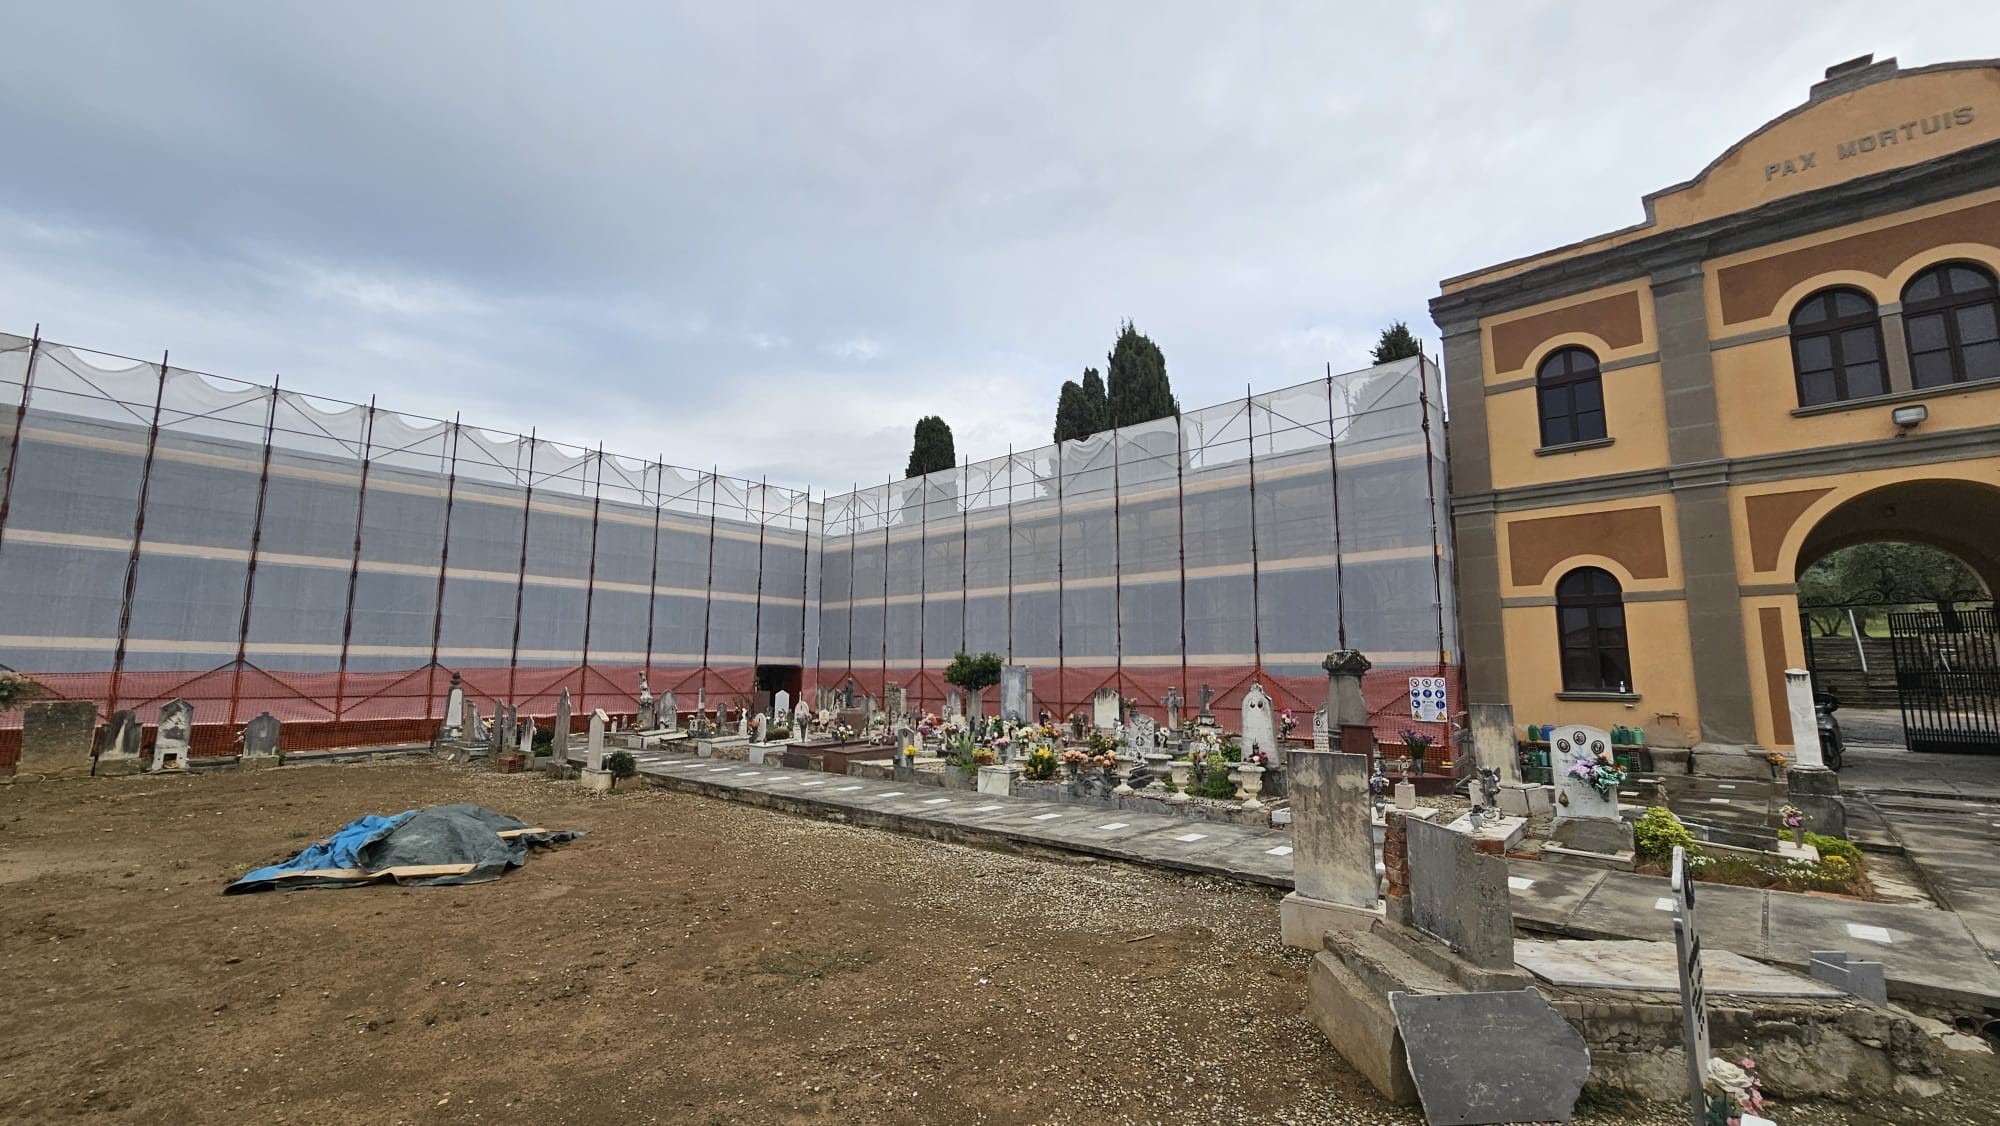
<point x="1250" y="780"/>
<point x="1180" y="769"/>
<point x="1123" y="772"/>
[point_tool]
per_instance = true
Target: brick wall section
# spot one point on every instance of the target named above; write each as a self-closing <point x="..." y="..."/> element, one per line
<point x="1395" y="867"/>
<point x="1492" y="846"/>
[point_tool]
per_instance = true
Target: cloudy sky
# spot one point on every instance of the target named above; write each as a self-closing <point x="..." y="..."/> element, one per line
<point x="770" y="237"/>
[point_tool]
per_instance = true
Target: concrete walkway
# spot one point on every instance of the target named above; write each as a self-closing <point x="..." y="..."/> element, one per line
<point x="1927" y="954"/>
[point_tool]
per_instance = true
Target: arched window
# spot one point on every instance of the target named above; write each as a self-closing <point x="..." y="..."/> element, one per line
<point x="1837" y="348"/>
<point x="1590" y="613"/>
<point x="1951" y="313"/>
<point x="1571" y="395"/>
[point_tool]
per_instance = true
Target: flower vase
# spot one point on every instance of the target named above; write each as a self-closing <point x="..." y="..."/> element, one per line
<point x="1179" y="769"/>
<point x="1799" y="835"/>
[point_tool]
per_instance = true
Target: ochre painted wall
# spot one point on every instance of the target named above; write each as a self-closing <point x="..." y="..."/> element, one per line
<point x="1662" y="673"/>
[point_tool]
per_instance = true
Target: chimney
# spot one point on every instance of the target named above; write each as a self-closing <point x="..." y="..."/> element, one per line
<point x="1862" y="70"/>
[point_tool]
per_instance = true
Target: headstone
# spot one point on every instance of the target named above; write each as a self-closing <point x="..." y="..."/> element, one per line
<point x="848" y="701"/>
<point x="648" y="715"/>
<point x="742" y="723"/>
<point x="475" y="727"/>
<point x="503" y="726"/>
<point x="561" y="743"/>
<point x="1694" y="997"/>
<point x="1459" y="894"/>
<point x="1586" y="819"/>
<point x="525" y="733"/>
<point x="1173" y="702"/>
<point x="58" y="738"/>
<point x="1406" y="795"/>
<point x="1104" y="709"/>
<point x="1345" y="705"/>
<point x="1207" y="697"/>
<point x="176" y="735"/>
<point x="1143" y="732"/>
<point x="119" y="751"/>
<point x="1495" y="1057"/>
<point x="975" y="703"/>
<point x="593" y="749"/>
<point x="1017" y="694"/>
<point x="670" y="712"/>
<point x="1805" y="720"/>
<point x="260" y="736"/>
<point x="763" y="729"/>
<point x="1322" y="741"/>
<point x="954" y="703"/>
<point x="1863" y="979"/>
<point x="454" y="710"/>
<point x="701" y="698"/>
<point x="1333" y="843"/>
<point x="801" y="717"/>
<point x="1260" y="726"/>
<point x="895" y="700"/>
<point x="781" y="706"/>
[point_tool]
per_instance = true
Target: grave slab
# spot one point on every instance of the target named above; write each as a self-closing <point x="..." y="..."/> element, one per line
<point x="1650" y="966"/>
<point x="1481" y="1058"/>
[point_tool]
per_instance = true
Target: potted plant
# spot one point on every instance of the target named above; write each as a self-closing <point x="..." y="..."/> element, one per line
<point x="1795" y="820"/>
<point x="1040" y="765"/>
<point x="1777" y="760"/>
<point x="622" y="765"/>
<point x="1415" y="744"/>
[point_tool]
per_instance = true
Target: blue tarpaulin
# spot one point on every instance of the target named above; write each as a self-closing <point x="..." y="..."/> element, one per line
<point x="446" y="844"/>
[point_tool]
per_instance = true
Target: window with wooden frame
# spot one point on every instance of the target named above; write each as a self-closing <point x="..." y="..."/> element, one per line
<point x="1837" y="348"/>
<point x="1569" y="391"/>
<point x="1951" y="315"/>
<point x="1590" y="619"/>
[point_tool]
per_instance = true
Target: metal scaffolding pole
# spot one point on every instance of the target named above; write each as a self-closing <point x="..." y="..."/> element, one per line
<point x="653" y="578"/>
<point x="521" y="572"/>
<point x="1062" y="661"/>
<point x="138" y="533"/>
<point x="590" y="585"/>
<point x="354" y="563"/>
<point x="1430" y="487"/>
<point x="708" y="589"/>
<point x="250" y="571"/>
<point x="444" y="563"/>
<point x="20" y="422"/>
<point x="1333" y="474"/>
<point x="1180" y="534"/>
<point x="1256" y="603"/>
<point x="757" y="611"/>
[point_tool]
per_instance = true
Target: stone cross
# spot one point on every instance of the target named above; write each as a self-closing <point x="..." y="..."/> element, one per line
<point x="176" y="735"/>
<point x="1260" y="728"/>
<point x="1207" y="697"/>
<point x="454" y="709"/>
<point x="593" y="753"/>
<point x="260" y="736"/>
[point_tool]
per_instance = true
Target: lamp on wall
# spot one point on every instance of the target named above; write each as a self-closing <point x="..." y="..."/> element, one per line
<point x="1908" y="418"/>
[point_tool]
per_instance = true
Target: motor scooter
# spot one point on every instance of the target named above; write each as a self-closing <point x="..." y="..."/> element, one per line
<point x="1831" y="746"/>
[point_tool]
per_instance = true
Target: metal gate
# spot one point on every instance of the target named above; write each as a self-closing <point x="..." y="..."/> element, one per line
<point x="1948" y="678"/>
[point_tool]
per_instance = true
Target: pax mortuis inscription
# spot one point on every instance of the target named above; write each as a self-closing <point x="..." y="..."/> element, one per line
<point x="1880" y="140"/>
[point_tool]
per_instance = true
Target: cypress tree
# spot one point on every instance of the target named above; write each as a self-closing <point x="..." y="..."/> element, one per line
<point x="1069" y="410"/>
<point x="1137" y="384"/>
<point x="932" y="449"/>
<point x="1096" y="408"/>
<point x="1397" y="343"/>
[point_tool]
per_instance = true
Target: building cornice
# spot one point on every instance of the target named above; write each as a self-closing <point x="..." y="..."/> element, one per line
<point x="1676" y="253"/>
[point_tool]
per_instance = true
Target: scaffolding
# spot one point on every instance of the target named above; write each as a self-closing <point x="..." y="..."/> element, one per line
<point x="167" y="534"/>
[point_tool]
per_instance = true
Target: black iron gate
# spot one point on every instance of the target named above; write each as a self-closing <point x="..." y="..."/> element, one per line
<point x="1948" y="678"/>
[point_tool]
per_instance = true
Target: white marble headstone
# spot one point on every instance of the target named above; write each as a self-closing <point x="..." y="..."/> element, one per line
<point x="593" y="753"/>
<point x="1575" y="797"/>
<point x="1260" y="727"/>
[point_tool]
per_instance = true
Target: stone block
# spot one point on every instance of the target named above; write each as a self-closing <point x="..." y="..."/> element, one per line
<point x="58" y="738"/>
<point x="1493" y="739"/>
<point x="1863" y="979"/>
<point x="1357" y="1021"/>
<point x="998" y="780"/>
<point x="1817" y="794"/>
<point x="597" y="781"/>
<point x="1514" y="799"/>
<point x="1593" y="835"/>
<point x="1303" y="921"/>
<point x="1716" y="760"/>
<point x="1504" y="833"/>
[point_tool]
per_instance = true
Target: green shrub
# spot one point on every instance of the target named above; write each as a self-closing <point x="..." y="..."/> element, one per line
<point x="622" y="766"/>
<point x="1656" y="834"/>
<point x="1040" y="765"/>
<point x="1834" y="846"/>
<point x="1214" y="783"/>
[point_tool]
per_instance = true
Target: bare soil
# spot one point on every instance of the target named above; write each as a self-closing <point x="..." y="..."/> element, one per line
<point x="688" y="961"/>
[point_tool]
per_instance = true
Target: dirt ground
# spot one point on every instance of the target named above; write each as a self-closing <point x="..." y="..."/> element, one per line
<point x="688" y="961"/>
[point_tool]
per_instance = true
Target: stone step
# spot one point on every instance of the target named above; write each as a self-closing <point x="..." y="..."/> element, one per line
<point x="1385" y="965"/>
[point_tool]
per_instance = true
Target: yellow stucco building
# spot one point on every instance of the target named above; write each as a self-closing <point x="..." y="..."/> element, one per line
<point x="1655" y="430"/>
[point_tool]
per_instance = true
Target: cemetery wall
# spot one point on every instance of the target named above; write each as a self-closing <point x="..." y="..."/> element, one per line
<point x="170" y="534"/>
<point x="1233" y="543"/>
